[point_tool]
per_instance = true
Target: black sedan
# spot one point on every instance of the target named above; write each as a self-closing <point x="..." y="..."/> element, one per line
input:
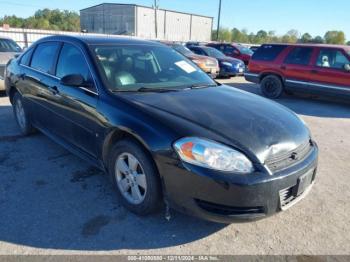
<point x="162" y="128"/>
<point x="228" y="66"/>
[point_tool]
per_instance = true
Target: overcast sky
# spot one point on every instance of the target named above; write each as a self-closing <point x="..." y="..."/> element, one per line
<point x="313" y="16"/>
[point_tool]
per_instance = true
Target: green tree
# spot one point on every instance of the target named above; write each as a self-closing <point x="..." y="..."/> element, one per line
<point x="318" y="40"/>
<point x="335" y="37"/>
<point x="348" y="43"/>
<point x="306" y="38"/>
<point x="261" y="37"/>
<point x="46" y="19"/>
<point x="225" y="35"/>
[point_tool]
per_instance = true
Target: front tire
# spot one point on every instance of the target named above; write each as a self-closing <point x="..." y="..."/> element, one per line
<point x="272" y="86"/>
<point x="135" y="177"/>
<point x="21" y="115"/>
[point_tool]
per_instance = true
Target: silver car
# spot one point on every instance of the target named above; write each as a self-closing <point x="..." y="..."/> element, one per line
<point x="8" y="50"/>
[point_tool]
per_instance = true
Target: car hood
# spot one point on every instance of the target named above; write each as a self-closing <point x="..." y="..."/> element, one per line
<point x="247" y="121"/>
<point x="198" y="57"/>
<point x="6" y="56"/>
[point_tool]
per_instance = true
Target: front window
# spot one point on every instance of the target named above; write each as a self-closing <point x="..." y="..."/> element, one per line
<point x="332" y="58"/>
<point x="214" y="52"/>
<point x="8" y="45"/>
<point x="136" y="67"/>
<point x="244" y="50"/>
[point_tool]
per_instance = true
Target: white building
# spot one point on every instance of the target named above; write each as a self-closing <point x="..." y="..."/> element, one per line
<point x="135" y="20"/>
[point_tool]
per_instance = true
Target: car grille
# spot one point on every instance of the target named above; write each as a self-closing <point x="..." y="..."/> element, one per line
<point x="287" y="196"/>
<point x="289" y="159"/>
<point x="228" y="210"/>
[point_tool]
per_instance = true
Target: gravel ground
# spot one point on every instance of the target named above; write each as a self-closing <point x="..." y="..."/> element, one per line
<point x="51" y="202"/>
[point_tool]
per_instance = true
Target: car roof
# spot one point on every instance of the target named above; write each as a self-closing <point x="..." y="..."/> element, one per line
<point x="99" y="40"/>
<point x="311" y="45"/>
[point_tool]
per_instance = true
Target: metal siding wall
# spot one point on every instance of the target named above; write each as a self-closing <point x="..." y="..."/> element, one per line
<point x="145" y="22"/>
<point x="201" y="28"/>
<point x="119" y="19"/>
<point x="177" y="26"/>
<point x="91" y="19"/>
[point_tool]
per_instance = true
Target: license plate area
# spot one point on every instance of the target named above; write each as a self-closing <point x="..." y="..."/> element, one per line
<point x="303" y="183"/>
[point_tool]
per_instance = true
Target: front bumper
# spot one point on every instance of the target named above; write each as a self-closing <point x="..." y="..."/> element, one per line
<point x="227" y="198"/>
<point x="226" y="71"/>
<point x="252" y="77"/>
<point x="2" y="82"/>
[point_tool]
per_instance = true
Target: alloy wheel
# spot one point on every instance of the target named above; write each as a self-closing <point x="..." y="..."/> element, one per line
<point x="131" y="179"/>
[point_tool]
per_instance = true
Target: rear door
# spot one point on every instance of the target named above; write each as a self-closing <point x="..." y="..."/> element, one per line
<point x="329" y="71"/>
<point x="297" y="67"/>
<point x="37" y="80"/>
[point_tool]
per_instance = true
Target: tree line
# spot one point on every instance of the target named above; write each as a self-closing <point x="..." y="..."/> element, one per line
<point x="46" y="19"/>
<point x="292" y="36"/>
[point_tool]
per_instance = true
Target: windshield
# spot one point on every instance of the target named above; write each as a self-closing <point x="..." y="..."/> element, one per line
<point x="136" y="67"/>
<point x="8" y="45"/>
<point x="182" y="50"/>
<point x="245" y="50"/>
<point x="214" y="52"/>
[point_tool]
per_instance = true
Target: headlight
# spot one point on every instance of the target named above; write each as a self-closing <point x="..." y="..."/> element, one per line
<point x="212" y="155"/>
<point x="227" y="64"/>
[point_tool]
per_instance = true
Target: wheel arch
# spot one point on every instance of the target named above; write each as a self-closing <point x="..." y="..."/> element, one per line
<point x="265" y="74"/>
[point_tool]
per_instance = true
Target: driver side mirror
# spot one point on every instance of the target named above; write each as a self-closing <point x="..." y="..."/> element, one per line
<point x="347" y="67"/>
<point x="75" y="80"/>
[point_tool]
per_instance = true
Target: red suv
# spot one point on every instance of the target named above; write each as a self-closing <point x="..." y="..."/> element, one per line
<point x="316" y="69"/>
<point x="234" y="50"/>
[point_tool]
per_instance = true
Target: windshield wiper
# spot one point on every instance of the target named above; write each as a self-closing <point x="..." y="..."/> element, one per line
<point x="198" y="86"/>
<point x="158" y="90"/>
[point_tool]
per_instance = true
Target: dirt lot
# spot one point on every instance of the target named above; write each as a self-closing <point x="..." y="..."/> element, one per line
<point x="51" y="202"/>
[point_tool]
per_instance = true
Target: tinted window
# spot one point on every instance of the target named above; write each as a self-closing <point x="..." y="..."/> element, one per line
<point x="131" y="67"/>
<point x="198" y="51"/>
<point x="25" y="60"/>
<point x="44" y="56"/>
<point x="332" y="58"/>
<point x="268" y="52"/>
<point x="8" y="45"/>
<point x="72" y="62"/>
<point x="299" y="56"/>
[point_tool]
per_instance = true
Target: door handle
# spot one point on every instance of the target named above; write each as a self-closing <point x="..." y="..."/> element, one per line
<point x="54" y="90"/>
<point x="314" y="71"/>
<point x="283" y="67"/>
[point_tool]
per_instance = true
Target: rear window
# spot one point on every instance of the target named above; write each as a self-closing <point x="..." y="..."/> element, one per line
<point x="268" y="52"/>
<point x="44" y="56"/>
<point x="299" y="56"/>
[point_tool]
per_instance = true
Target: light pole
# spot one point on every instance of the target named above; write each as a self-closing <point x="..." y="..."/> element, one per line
<point x="219" y="17"/>
<point x="156" y="5"/>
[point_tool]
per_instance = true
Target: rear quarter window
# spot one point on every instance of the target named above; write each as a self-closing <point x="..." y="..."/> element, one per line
<point x="268" y="52"/>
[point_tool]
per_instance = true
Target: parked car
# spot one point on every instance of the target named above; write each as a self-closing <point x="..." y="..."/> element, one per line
<point x="228" y="66"/>
<point x="162" y="128"/>
<point x="234" y="50"/>
<point x="207" y="64"/>
<point x="315" y="69"/>
<point x="8" y="50"/>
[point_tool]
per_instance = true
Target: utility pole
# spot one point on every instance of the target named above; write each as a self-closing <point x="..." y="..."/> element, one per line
<point x="219" y="17"/>
<point x="156" y="6"/>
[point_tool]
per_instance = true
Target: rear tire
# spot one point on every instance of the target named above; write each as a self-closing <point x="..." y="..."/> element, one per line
<point x="21" y="115"/>
<point x="272" y="86"/>
<point x="135" y="177"/>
